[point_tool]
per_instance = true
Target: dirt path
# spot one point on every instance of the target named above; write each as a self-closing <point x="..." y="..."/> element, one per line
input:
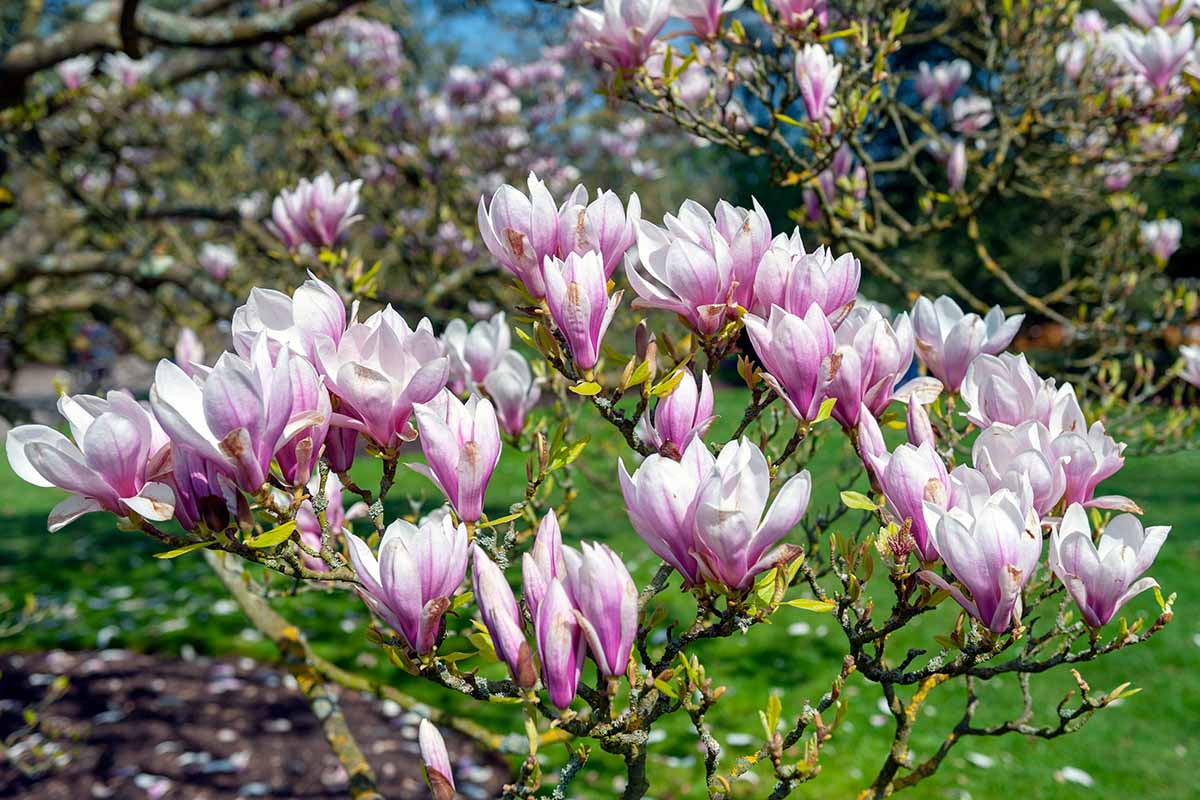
<point x="131" y="726"/>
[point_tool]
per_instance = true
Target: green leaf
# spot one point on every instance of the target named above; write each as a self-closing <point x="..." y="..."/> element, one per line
<point x="179" y="551"/>
<point x="668" y="384"/>
<point x="858" y="500"/>
<point x="786" y="120"/>
<point x="272" y="537"/>
<point x="586" y="388"/>
<point x="567" y="453"/>
<point x="666" y="689"/>
<point x="640" y="375"/>
<point x="492" y="523"/>
<point x="808" y="604"/>
<point x="825" y="410"/>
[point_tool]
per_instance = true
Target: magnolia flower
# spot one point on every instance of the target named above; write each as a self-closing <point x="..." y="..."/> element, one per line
<point x="314" y="312"/>
<point x="436" y="762"/>
<point x="796" y="14"/>
<point x="204" y="493"/>
<point x="129" y="72"/>
<point x="119" y="459"/>
<point x="956" y="167"/>
<point x="1005" y="389"/>
<point x="1006" y="456"/>
<point x="793" y="279"/>
<point x="1158" y="54"/>
<point x="218" y="260"/>
<point x="1161" y="237"/>
<point x="910" y="477"/>
<point x="461" y="442"/>
<point x="817" y="76"/>
<point x="1102" y="576"/>
<point x="298" y="455"/>
<point x="1169" y="14"/>
<point x="705" y="15"/>
<point x="343" y="102"/>
<point x="872" y="355"/>
<point x="1191" y="364"/>
<point x="513" y="390"/>
<point x="520" y="231"/>
<point x="606" y="598"/>
<point x="917" y="424"/>
<point x="683" y="415"/>
<point x="621" y="34"/>
<point x="418" y="570"/>
<point x="238" y="415"/>
<point x="189" y="351"/>
<point x="735" y="541"/>
<point x="602" y="226"/>
<point x="797" y="356"/>
<point x="660" y="498"/>
<point x="501" y="617"/>
<point x="971" y="114"/>
<point x="947" y="340"/>
<point x="545" y="561"/>
<point x="939" y="84"/>
<point x="74" y="71"/>
<point x="577" y="296"/>
<point x="378" y="371"/>
<point x="1117" y="176"/>
<point x="992" y="552"/>
<point x="474" y="353"/>
<point x="560" y="644"/>
<point x="315" y="213"/>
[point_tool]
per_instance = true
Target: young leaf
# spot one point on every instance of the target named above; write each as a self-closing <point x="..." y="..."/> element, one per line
<point x="179" y="551"/>
<point x="858" y="500"/>
<point x="272" y="537"/>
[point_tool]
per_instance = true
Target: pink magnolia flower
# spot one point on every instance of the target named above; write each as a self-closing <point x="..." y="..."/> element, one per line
<point x="661" y="498"/>
<point x="1102" y="576"/>
<point x="74" y="71"/>
<point x="119" y="461"/>
<point x="683" y="415"/>
<point x="418" y="570"/>
<point x="315" y="213"/>
<point x="1191" y="364"/>
<point x="1117" y="176"/>
<point x="797" y="354"/>
<point x="1169" y="14"/>
<point x="521" y="231"/>
<point x="1159" y="55"/>
<point x="461" y="442"/>
<point x="1005" y="389"/>
<point x="577" y="296"/>
<point x="992" y="552"/>
<point x="545" y="562"/>
<point x="910" y="477"/>
<point x="971" y="114"/>
<point x="793" y="279"/>
<point x="817" y="76"/>
<point x="129" y="72"/>
<point x="735" y="539"/>
<point x="298" y="455"/>
<point x="1006" y="456"/>
<point x="436" y="761"/>
<point x="602" y="226"/>
<point x="314" y="312"/>
<point x="606" y="598"/>
<point x="939" y="84"/>
<point x="475" y="352"/>
<point x="799" y="14"/>
<point x="560" y="644"/>
<point x="622" y="33"/>
<point x="239" y="415"/>
<point x="948" y="340"/>
<point x="189" y="351"/>
<point x="379" y="370"/>
<point x="204" y="492"/>
<point x="502" y="617"/>
<point x="514" y="391"/>
<point x="873" y="356"/>
<point x="1161" y="238"/>
<point x="705" y="15"/>
<point x="956" y="167"/>
<point x="218" y="260"/>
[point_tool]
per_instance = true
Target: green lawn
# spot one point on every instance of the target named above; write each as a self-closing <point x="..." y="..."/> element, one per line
<point x="109" y="591"/>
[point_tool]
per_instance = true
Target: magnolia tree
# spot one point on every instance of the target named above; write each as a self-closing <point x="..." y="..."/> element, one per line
<point x="152" y="185"/>
<point x="922" y="137"/>
<point x="992" y="511"/>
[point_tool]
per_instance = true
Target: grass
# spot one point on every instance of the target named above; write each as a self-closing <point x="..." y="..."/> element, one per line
<point x="108" y="591"/>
